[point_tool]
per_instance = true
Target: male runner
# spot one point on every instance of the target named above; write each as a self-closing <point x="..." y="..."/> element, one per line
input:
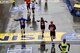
<point x="22" y="24"/>
<point x="63" y="46"/>
<point x="42" y="25"/>
<point x="28" y="4"/>
<point x="52" y="29"/>
<point x="33" y="6"/>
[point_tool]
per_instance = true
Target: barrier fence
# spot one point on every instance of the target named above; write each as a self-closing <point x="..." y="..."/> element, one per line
<point x="72" y="9"/>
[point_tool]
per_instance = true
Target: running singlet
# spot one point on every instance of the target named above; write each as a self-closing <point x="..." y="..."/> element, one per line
<point x="28" y="1"/>
<point x="52" y="28"/>
<point x="22" y="19"/>
<point x="64" y="47"/>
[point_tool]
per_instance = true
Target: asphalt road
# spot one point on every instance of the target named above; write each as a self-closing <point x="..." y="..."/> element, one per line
<point x="74" y="48"/>
<point x="57" y="11"/>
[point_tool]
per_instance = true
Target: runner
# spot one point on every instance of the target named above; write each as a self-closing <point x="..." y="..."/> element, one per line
<point x="28" y="4"/>
<point x="22" y="24"/>
<point x="52" y="29"/>
<point x="42" y="25"/>
<point x="33" y="6"/>
<point x="63" y="46"/>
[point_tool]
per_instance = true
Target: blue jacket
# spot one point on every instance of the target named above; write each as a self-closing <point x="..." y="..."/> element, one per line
<point x="20" y="21"/>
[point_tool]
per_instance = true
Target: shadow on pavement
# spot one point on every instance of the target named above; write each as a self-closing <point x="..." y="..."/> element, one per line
<point x="76" y="19"/>
<point x="34" y="26"/>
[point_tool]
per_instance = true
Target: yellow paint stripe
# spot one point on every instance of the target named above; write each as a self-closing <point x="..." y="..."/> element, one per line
<point x="35" y="35"/>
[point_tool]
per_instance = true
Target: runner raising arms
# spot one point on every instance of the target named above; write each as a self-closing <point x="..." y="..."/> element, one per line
<point x="42" y="25"/>
<point x="22" y="23"/>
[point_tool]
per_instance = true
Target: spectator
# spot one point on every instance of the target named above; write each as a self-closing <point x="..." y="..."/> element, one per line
<point x="63" y="46"/>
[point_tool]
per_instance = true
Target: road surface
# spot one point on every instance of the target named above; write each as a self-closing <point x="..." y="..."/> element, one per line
<point x="57" y="12"/>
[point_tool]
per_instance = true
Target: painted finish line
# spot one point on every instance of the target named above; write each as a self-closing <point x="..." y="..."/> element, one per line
<point x="37" y="36"/>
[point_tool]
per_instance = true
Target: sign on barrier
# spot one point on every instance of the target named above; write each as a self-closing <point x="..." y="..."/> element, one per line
<point x="19" y="50"/>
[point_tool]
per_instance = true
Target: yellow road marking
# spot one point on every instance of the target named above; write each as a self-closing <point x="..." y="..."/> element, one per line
<point x="31" y="34"/>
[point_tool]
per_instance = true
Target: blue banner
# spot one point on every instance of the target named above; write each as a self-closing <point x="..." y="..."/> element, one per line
<point x="74" y="11"/>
